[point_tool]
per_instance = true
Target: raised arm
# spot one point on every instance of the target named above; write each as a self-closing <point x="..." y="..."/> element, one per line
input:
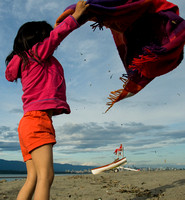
<point x="46" y="48"/>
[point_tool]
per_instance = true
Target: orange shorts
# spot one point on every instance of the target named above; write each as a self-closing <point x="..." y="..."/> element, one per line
<point x="35" y="130"/>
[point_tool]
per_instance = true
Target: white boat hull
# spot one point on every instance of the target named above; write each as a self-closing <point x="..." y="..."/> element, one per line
<point x="109" y="166"/>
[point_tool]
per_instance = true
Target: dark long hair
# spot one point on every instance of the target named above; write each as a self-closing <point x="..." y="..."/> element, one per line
<point x="28" y="35"/>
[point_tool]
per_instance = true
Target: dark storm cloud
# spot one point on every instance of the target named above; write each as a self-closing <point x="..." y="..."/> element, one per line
<point x="9" y="146"/>
<point x="174" y="134"/>
<point x="8" y="139"/>
<point x="90" y="136"/>
<point x="4" y="128"/>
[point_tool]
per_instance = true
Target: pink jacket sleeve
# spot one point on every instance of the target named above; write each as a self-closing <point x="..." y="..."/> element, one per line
<point x="43" y="49"/>
<point x="47" y="47"/>
<point x="12" y="69"/>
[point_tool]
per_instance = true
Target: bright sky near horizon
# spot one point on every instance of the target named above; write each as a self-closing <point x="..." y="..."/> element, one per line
<point x="150" y="125"/>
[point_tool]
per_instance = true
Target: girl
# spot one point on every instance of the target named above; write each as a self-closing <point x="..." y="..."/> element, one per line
<point x="44" y="95"/>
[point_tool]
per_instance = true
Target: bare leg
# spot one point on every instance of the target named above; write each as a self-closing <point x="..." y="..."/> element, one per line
<point x="43" y="161"/>
<point x="28" y="188"/>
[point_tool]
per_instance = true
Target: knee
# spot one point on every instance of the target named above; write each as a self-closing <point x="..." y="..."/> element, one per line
<point x="51" y="177"/>
<point x="46" y="176"/>
<point x="31" y="178"/>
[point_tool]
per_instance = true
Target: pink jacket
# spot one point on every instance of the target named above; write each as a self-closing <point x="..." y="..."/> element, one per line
<point x="43" y="83"/>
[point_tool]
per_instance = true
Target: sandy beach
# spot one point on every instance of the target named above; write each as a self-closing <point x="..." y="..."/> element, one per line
<point x="126" y="185"/>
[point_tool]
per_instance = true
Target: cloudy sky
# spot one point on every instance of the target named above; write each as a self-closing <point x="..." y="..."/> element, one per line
<point x="150" y="125"/>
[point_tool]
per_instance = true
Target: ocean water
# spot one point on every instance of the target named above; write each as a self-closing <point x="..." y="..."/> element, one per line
<point x="13" y="177"/>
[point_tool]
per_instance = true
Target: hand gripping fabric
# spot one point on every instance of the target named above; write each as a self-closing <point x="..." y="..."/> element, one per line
<point x="149" y="36"/>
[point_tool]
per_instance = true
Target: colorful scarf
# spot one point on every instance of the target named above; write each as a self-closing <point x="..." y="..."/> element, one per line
<point x="149" y="36"/>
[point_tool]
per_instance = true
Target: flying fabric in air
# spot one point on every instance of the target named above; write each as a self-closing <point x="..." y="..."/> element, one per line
<point x="149" y="36"/>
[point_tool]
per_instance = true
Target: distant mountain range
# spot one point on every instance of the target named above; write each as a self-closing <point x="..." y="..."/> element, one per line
<point x="20" y="167"/>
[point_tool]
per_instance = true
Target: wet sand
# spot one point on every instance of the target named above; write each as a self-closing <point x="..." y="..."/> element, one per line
<point x="126" y="185"/>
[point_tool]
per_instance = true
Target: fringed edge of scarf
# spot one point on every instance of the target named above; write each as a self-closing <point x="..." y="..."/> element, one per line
<point x="114" y="96"/>
<point x="131" y="81"/>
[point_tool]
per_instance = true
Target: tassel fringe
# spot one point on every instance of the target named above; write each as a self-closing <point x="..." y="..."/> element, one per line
<point x="97" y="25"/>
<point x="115" y="95"/>
<point x="138" y="62"/>
<point x="137" y="65"/>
